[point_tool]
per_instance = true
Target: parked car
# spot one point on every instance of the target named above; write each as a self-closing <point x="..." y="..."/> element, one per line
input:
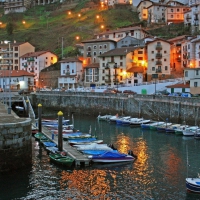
<point x="174" y="95"/>
<point x="129" y="92"/>
<point x="20" y="92"/>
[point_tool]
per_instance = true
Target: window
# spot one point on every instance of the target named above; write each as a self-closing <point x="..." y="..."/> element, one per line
<point x="152" y="59"/>
<point x="157" y="8"/>
<point x="144" y="15"/>
<point x="177" y="9"/>
<point x="135" y="74"/>
<point x="103" y="71"/>
<point x="152" y="52"/>
<point x="94" y="53"/>
<point x="153" y="68"/>
<point x="67" y="66"/>
<point x="195" y="84"/>
<point x="199" y="63"/>
<point x="100" y="52"/>
<point x="36" y="68"/>
<point x="188" y="46"/>
<point x="51" y="58"/>
<point x="16" y="54"/>
<point x="100" y="47"/>
<point x="46" y="63"/>
<point x="103" y="58"/>
<point x="46" y="58"/>
<point x="140" y="58"/>
<point x="72" y="70"/>
<point x="165" y="51"/>
<point x="103" y="64"/>
<point x="103" y="78"/>
<point x="36" y="63"/>
<point x="186" y="73"/>
<point x="16" y="61"/>
<point x="197" y="72"/>
<point x="172" y="10"/>
<point x="121" y="57"/>
<point x="121" y="63"/>
<point x="166" y="68"/>
<point x="165" y="59"/>
<point x="112" y="59"/>
<point x="105" y="46"/>
<point x="171" y="16"/>
<point x="95" y="47"/>
<point x="140" y="52"/>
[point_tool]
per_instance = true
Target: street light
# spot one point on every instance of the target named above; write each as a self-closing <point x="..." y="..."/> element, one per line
<point x="9" y="107"/>
<point x="116" y="81"/>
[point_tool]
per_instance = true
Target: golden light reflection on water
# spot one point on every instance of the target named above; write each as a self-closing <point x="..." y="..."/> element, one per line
<point x="91" y="182"/>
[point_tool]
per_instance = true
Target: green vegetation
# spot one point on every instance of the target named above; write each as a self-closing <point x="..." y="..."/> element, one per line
<point x="46" y="25"/>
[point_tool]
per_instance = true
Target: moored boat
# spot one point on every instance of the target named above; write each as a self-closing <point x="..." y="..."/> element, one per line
<point x="179" y="131"/>
<point x="104" y="117"/>
<point x="81" y="140"/>
<point x="163" y="127"/>
<point x="120" y="120"/>
<point x="193" y="184"/>
<point x="86" y="143"/>
<point x="111" y="157"/>
<point x="95" y="152"/>
<point x="93" y="146"/>
<point x="154" y="125"/>
<point x="190" y="131"/>
<point x="138" y="122"/>
<point x="61" y="159"/>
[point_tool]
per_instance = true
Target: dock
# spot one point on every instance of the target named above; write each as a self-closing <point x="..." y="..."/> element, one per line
<point x="80" y="159"/>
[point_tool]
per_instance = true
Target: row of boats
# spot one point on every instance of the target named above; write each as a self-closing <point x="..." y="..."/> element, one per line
<point x="87" y="144"/>
<point x="160" y="126"/>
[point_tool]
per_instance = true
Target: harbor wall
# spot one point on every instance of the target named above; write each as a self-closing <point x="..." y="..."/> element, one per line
<point x="162" y="108"/>
<point x="15" y="141"/>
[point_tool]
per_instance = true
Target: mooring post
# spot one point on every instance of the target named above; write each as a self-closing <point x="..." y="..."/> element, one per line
<point x="60" y="129"/>
<point x="27" y="108"/>
<point x="40" y="118"/>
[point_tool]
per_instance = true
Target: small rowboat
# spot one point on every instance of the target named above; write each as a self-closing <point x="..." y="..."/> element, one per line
<point x="61" y="159"/>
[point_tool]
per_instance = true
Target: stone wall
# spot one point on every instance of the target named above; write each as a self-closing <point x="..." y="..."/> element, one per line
<point x="174" y="109"/>
<point x="15" y="141"/>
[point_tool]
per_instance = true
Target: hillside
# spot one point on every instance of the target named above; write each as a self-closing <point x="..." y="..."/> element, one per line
<point x="46" y="25"/>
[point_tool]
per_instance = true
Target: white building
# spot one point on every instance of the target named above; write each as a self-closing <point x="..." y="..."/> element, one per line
<point x="19" y="79"/>
<point x="71" y="73"/>
<point x="34" y="62"/>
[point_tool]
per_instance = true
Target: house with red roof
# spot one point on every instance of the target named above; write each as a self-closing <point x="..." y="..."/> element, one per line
<point x="34" y="62"/>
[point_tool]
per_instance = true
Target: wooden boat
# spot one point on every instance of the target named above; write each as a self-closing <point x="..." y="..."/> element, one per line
<point x="111" y="157"/>
<point x="61" y="159"/>
<point x="189" y="131"/>
<point x="193" y="184"/>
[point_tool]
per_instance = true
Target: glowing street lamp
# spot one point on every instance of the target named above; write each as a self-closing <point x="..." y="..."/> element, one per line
<point x="102" y="26"/>
<point x="69" y="13"/>
<point x="23" y="22"/>
<point x="79" y="15"/>
<point x="97" y="16"/>
<point x="77" y="37"/>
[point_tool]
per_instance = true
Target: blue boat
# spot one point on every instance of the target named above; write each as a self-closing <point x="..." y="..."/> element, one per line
<point x="112" y="157"/>
<point x="96" y="152"/>
<point x="193" y="184"/>
<point x="49" y="144"/>
<point x="83" y="140"/>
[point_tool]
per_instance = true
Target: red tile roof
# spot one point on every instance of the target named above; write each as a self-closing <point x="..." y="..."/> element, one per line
<point x="75" y="59"/>
<point x="93" y="65"/>
<point x="179" y="85"/>
<point x="35" y="54"/>
<point x="15" y="73"/>
<point x="136" y="69"/>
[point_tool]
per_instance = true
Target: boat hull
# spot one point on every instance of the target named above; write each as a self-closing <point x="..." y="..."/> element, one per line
<point x="113" y="160"/>
<point x="193" y="184"/>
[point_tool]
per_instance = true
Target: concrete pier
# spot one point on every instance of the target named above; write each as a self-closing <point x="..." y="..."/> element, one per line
<point x="80" y="159"/>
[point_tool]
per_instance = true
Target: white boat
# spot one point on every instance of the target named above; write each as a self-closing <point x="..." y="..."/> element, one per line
<point x="104" y="117"/>
<point x="190" y="131"/>
<point x="139" y="122"/>
<point x="120" y="120"/>
<point x="19" y="108"/>
<point x="114" y="118"/>
<point x="128" y="121"/>
<point x="93" y="146"/>
<point x="193" y="184"/>
<point x="88" y="143"/>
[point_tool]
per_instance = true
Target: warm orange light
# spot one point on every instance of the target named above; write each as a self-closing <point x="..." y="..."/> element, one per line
<point x="23" y="22"/>
<point x="77" y="37"/>
<point x="102" y="26"/>
<point x="102" y="5"/>
<point x="69" y="13"/>
<point x="79" y="15"/>
<point x="97" y="16"/>
<point x="124" y="73"/>
<point x="0" y="23"/>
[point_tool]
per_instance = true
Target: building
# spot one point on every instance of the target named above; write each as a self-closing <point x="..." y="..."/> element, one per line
<point x="10" y="54"/>
<point x="178" y="88"/>
<point x="19" y="79"/>
<point x="135" y="31"/>
<point x="129" y="41"/>
<point x="142" y="9"/>
<point x="71" y="73"/>
<point x="159" y="56"/>
<point x="34" y="62"/>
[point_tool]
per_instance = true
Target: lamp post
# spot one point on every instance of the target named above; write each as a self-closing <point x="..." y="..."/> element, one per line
<point x="9" y="106"/>
<point x="116" y="81"/>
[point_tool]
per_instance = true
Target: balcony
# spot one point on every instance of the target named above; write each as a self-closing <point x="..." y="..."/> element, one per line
<point x="67" y="73"/>
<point x="158" y="47"/>
<point x="158" y="55"/>
<point x="30" y="59"/>
<point x="196" y="19"/>
<point x="107" y="81"/>
<point x="158" y="70"/>
<point x="89" y="54"/>
<point x="159" y="62"/>
<point x="178" y="59"/>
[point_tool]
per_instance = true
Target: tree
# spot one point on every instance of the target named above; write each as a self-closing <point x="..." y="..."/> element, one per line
<point x="10" y="28"/>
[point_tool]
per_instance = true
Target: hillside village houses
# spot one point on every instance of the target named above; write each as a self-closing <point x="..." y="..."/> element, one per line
<point x="34" y="62"/>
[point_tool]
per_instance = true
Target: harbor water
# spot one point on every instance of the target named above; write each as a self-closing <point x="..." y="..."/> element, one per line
<point x="158" y="173"/>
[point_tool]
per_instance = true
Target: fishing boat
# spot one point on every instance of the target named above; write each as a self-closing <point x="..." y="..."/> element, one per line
<point x="154" y="125"/>
<point x="111" y="157"/>
<point x="163" y="127"/>
<point x="61" y="159"/>
<point x="189" y="131"/>
<point x="193" y="184"/>
<point x="93" y="146"/>
<point x="138" y="122"/>
<point x="104" y="117"/>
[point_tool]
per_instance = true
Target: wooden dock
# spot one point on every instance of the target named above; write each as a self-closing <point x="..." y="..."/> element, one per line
<point x="80" y="159"/>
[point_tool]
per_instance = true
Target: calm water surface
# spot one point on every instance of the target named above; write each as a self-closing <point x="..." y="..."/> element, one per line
<point x="158" y="173"/>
